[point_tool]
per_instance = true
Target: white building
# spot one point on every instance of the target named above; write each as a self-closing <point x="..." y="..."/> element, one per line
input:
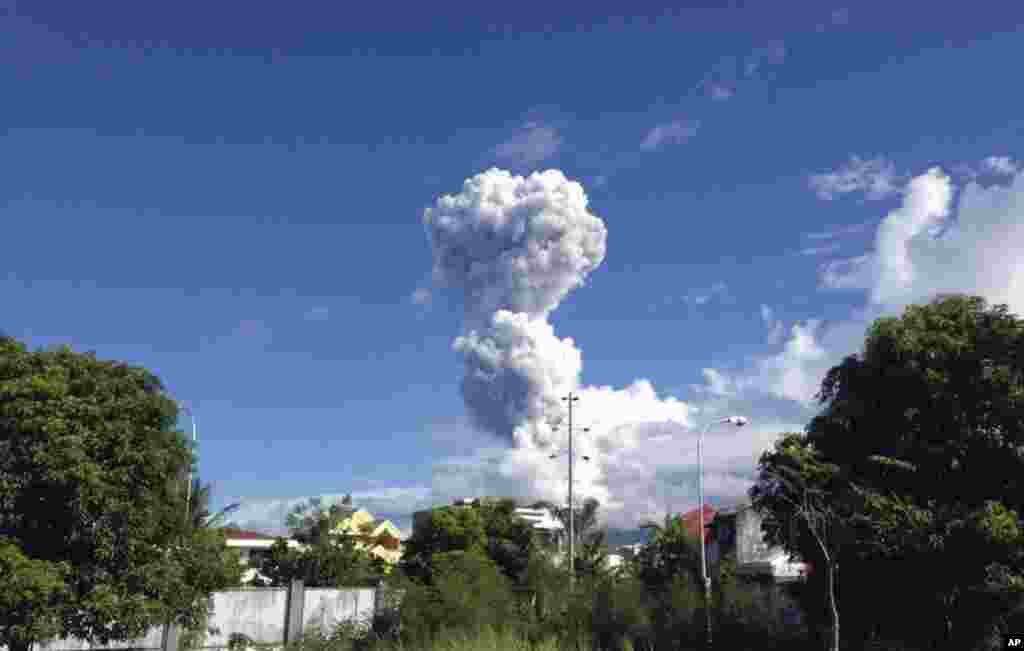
<point x="252" y="548"/>
<point x="544" y="521"/>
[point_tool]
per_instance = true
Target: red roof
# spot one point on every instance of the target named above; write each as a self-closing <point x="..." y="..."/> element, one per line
<point x="691" y="520"/>
<point x="238" y="534"/>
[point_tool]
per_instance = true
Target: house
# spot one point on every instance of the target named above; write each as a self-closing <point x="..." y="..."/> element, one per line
<point x="550" y="529"/>
<point x="253" y="547"/>
<point x="382" y="540"/>
<point x="736" y="532"/>
<point x="691" y="521"/>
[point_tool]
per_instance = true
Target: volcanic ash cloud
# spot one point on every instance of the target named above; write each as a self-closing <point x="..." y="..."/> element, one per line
<point x="515" y="247"/>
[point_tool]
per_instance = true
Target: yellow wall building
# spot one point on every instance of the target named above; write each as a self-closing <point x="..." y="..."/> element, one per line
<point x="380" y="539"/>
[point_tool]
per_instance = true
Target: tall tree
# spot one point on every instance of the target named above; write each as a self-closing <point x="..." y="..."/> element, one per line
<point x="801" y="498"/>
<point x="925" y="428"/>
<point x="488" y="527"/>
<point x="92" y="533"/>
<point x="321" y="564"/>
<point x="445" y="529"/>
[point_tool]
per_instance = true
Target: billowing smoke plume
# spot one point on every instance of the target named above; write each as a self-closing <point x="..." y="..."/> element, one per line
<point x="515" y="247"/>
<point x="514" y="243"/>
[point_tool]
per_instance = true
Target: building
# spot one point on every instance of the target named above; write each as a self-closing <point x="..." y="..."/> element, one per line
<point x="691" y="521"/>
<point x="382" y="540"/>
<point x="736" y="532"/>
<point x="550" y="529"/>
<point x="252" y="547"/>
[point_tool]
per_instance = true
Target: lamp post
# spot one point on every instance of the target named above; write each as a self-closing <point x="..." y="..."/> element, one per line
<point x="738" y="421"/>
<point x="188" y="494"/>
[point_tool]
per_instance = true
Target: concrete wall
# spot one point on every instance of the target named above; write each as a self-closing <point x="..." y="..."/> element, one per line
<point x="259" y="613"/>
<point x="152" y="640"/>
<point x="325" y="607"/>
<point x="256" y="612"/>
<point x="750" y="544"/>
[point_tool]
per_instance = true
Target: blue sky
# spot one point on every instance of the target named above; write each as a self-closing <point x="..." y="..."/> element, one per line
<point x="232" y="196"/>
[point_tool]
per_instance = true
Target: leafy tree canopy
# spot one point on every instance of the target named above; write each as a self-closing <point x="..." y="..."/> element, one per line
<point x="324" y="564"/>
<point x="671" y="552"/>
<point x="489" y="527"/>
<point x="92" y="530"/>
<point x="919" y="449"/>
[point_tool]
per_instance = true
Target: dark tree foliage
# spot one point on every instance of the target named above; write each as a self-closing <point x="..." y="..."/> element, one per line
<point x="490" y="528"/>
<point x="93" y="536"/>
<point x="324" y="564"/>
<point x="672" y="553"/>
<point x="922" y="436"/>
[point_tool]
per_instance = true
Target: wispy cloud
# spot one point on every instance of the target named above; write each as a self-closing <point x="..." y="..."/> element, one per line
<point x="720" y="92"/>
<point x="875" y="177"/>
<point x="533" y="143"/>
<point x="842" y="230"/>
<point x="706" y="295"/>
<point x="726" y="76"/>
<point x="1002" y="165"/>
<point x="820" y="250"/>
<point x="670" y="133"/>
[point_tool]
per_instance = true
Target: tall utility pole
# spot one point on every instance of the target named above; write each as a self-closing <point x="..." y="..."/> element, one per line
<point x="572" y="506"/>
<point x="571" y="398"/>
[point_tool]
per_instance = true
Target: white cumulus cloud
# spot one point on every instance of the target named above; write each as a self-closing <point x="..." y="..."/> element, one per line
<point x="941" y="239"/>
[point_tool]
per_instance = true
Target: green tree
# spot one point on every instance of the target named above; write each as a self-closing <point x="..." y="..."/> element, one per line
<point x="315" y="519"/>
<point x="924" y="429"/>
<point x="488" y="526"/>
<point x="31" y="596"/>
<point x="803" y="499"/>
<point x="671" y="552"/>
<point x="322" y="564"/>
<point x="93" y="531"/>
<point x="445" y="529"/>
<point x="467" y="593"/>
<point x="510" y="539"/>
<point x="590" y="546"/>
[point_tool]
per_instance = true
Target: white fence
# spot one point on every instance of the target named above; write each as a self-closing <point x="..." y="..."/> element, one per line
<point x="265" y="615"/>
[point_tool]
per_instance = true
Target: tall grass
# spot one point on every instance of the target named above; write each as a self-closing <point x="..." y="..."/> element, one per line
<point x="599" y="615"/>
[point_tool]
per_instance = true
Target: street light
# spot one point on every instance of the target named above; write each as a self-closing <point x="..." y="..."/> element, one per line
<point x="188" y="497"/>
<point x="738" y="421"/>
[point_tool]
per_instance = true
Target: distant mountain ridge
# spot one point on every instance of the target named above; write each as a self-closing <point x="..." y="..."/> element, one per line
<point x="617" y="537"/>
